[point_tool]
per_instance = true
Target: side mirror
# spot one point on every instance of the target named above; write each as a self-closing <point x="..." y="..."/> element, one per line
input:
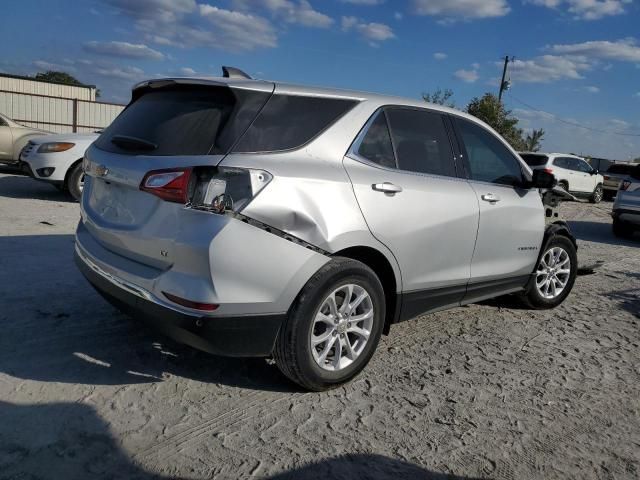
<point x="594" y="171"/>
<point x="542" y="179"/>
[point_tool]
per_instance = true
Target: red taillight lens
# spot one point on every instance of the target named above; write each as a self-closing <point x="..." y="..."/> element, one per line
<point x="171" y="185"/>
<point x="625" y="184"/>
<point x="205" y="307"/>
<point x="548" y="170"/>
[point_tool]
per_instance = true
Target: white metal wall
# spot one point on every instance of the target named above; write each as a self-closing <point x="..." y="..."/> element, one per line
<point x="57" y="114"/>
<point x="24" y="85"/>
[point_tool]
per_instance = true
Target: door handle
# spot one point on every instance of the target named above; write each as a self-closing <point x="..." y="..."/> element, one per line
<point x="491" y="197"/>
<point x="386" y="187"/>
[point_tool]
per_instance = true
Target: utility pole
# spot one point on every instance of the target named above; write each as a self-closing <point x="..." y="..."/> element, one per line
<point x="504" y="84"/>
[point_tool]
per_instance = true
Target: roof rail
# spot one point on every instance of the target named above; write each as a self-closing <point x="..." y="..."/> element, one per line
<point x="232" y="72"/>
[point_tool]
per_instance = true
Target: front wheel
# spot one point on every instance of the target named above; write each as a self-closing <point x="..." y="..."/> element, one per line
<point x="75" y="181"/>
<point x="596" y="196"/>
<point x="333" y="327"/>
<point x="554" y="276"/>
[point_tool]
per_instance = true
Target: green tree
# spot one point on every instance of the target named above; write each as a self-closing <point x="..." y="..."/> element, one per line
<point x="440" y="97"/>
<point x="62" y="77"/>
<point x="59" y="77"/>
<point x="533" y="142"/>
<point x="491" y="111"/>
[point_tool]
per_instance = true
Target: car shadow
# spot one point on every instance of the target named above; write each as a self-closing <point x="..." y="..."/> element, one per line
<point x="601" y="233"/>
<point x="69" y="440"/>
<point x="20" y="186"/>
<point x="629" y="300"/>
<point x="56" y="328"/>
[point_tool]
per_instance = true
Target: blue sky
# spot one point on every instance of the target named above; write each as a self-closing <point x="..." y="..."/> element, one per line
<point x="577" y="61"/>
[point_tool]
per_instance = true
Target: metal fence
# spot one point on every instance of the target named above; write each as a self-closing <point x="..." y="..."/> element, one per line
<point x="56" y="114"/>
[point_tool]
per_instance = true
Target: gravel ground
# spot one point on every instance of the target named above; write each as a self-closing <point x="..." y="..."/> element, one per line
<point x="484" y="391"/>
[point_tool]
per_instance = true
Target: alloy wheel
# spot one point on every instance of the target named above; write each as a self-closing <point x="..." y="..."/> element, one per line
<point x="342" y="327"/>
<point x="553" y="272"/>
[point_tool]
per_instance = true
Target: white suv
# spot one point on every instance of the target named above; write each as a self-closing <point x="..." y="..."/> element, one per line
<point x="573" y="173"/>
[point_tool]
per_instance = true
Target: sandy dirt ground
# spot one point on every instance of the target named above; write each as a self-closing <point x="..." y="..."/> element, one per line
<point x="484" y="391"/>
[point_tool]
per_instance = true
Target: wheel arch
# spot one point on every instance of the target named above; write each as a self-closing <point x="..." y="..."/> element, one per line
<point x="558" y="228"/>
<point x="68" y="172"/>
<point x="383" y="268"/>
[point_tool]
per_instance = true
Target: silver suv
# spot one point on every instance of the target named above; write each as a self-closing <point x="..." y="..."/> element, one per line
<point x="250" y="218"/>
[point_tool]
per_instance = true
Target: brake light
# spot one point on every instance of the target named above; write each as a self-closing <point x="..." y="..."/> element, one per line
<point x="548" y="170"/>
<point x="625" y="184"/>
<point x="171" y="185"/>
<point x="607" y="177"/>
<point x="206" y="307"/>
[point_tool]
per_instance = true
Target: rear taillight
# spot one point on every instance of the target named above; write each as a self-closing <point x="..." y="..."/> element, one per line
<point x="625" y="184"/>
<point x="171" y="185"/>
<point x="607" y="177"/>
<point x="548" y="170"/>
<point x="223" y="189"/>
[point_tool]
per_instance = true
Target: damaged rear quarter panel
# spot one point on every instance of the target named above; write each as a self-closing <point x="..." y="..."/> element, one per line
<point x="311" y="199"/>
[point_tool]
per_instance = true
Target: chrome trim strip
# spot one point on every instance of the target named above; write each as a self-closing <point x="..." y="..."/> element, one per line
<point x="118" y="282"/>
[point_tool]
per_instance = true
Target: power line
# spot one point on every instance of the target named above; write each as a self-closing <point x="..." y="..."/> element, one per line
<point x="574" y="124"/>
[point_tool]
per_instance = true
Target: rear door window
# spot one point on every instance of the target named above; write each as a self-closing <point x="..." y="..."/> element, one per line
<point x="561" y="162"/>
<point x="421" y="141"/>
<point x="288" y="122"/>
<point x="488" y="159"/>
<point x="183" y="120"/>
<point x="376" y="144"/>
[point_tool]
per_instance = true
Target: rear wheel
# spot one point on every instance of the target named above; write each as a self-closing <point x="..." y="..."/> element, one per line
<point x="333" y="327"/>
<point x="596" y="196"/>
<point x="555" y="275"/>
<point x="75" y="181"/>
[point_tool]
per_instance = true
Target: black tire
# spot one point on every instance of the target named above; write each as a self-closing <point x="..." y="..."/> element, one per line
<point x="74" y="180"/>
<point x="563" y="185"/>
<point x="531" y="297"/>
<point x="621" y="229"/>
<point x="293" y="354"/>
<point x="598" y="193"/>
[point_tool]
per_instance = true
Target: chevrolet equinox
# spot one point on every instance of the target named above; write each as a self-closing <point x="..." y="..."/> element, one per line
<point x="252" y="218"/>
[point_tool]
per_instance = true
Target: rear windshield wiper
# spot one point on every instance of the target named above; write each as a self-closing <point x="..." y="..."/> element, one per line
<point x="132" y="143"/>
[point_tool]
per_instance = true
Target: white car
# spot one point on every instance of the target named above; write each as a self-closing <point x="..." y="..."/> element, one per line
<point x="57" y="159"/>
<point x="573" y="173"/>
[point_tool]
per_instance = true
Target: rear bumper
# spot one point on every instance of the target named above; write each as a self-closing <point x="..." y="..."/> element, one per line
<point x="627" y="215"/>
<point x="241" y="335"/>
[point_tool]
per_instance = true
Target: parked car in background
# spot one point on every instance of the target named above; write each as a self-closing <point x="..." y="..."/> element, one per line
<point x="626" y="208"/>
<point x="57" y="159"/>
<point x="573" y="173"/>
<point x="613" y="176"/>
<point x="13" y="137"/>
<point x="226" y="213"/>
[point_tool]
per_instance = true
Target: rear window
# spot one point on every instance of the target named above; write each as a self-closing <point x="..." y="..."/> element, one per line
<point x="184" y="121"/>
<point x="620" y="169"/>
<point x="534" y="160"/>
<point x="288" y="122"/>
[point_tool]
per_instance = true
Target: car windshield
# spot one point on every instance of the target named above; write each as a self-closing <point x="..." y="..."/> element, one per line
<point x="534" y="159"/>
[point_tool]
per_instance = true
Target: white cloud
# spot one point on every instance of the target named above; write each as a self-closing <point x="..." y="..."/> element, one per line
<point x="586" y="9"/>
<point x="124" y="49"/>
<point x="468" y="76"/>
<point x="398" y="15"/>
<point x="44" y="65"/>
<point x="547" y="68"/>
<point x="123" y="73"/>
<point x="625" y="50"/>
<point x="296" y="12"/>
<point x="374" y="32"/>
<point x="637" y="94"/>
<point x="364" y="2"/>
<point x="439" y="56"/>
<point x="452" y="10"/>
<point x="184" y="23"/>
<point x="592" y="89"/>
